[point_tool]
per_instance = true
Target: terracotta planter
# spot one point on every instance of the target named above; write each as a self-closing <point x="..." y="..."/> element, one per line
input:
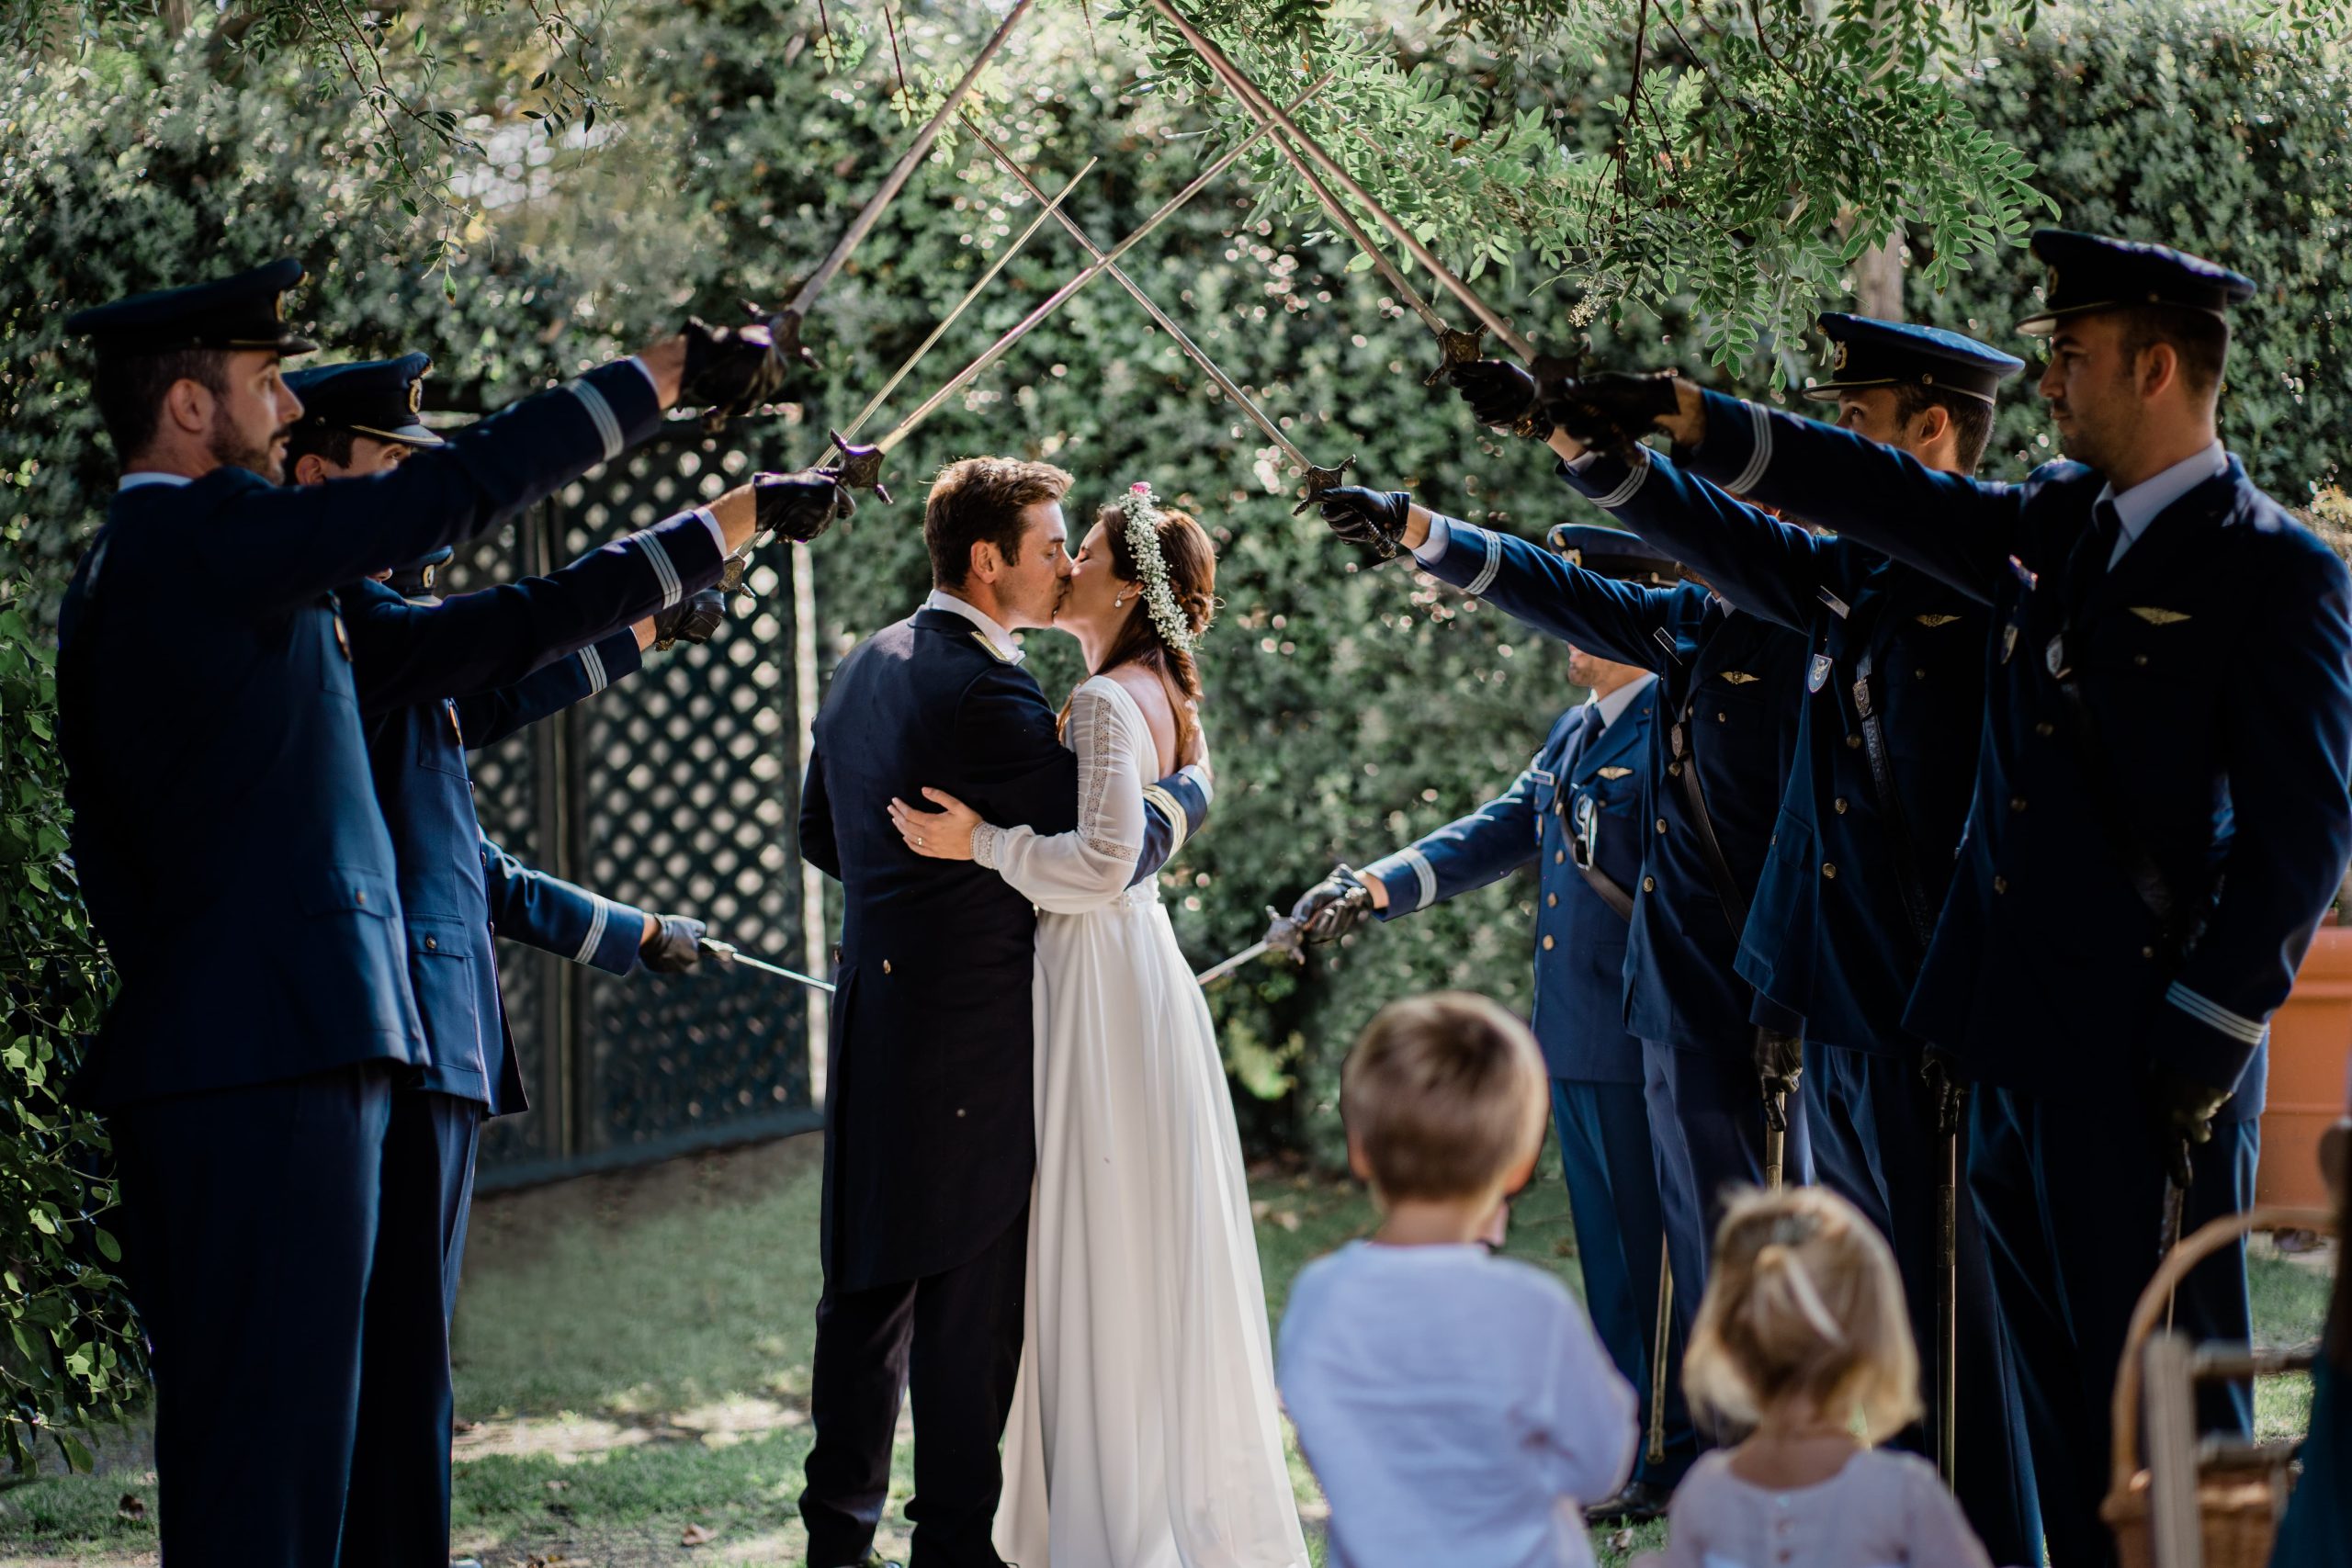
<point x="2310" y="1038"/>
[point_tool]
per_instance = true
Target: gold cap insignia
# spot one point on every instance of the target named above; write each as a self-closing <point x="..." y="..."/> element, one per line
<point x="415" y="395"/>
<point x="277" y="305"/>
<point x="2156" y="615"/>
<point x="1613" y="773"/>
<point x="1838" y="356"/>
<point x="1932" y="621"/>
<point x="1739" y="677"/>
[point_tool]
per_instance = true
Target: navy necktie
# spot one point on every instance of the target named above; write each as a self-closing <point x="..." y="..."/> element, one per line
<point x="2092" y="555"/>
<point x="1587" y="730"/>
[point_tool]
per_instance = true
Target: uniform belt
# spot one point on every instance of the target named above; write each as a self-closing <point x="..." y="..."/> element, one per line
<point x="1890" y="807"/>
<point x="1583" y="849"/>
<point x="1734" y="902"/>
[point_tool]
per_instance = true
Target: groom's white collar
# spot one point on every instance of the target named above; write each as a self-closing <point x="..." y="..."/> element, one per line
<point x="999" y="638"/>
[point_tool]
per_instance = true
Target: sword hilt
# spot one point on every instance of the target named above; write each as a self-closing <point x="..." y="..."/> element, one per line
<point x="1319" y="480"/>
<point x="860" y="467"/>
<point x="1454" y="348"/>
<point x="711" y="947"/>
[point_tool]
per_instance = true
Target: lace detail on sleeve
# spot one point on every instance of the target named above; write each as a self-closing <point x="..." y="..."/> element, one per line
<point x="1097" y="735"/>
<point x="1075" y="871"/>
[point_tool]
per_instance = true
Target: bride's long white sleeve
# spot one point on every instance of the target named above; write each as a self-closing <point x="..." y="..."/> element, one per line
<point x="1068" y="873"/>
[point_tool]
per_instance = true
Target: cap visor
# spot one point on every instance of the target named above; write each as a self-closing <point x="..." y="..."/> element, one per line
<point x="406" y="434"/>
<point x="1828" y="390"/>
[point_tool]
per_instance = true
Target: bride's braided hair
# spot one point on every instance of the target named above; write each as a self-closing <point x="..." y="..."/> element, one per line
<point x="1191" y="561"/>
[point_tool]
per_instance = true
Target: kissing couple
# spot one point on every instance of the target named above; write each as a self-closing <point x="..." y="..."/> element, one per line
<point x="1034" y="1207"/>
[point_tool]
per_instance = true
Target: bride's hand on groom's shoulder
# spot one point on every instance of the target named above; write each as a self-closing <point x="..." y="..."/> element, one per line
<point x="944" y="834"/>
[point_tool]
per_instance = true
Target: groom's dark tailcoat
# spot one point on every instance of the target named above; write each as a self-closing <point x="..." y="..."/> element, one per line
<point x="929" y="1146"/>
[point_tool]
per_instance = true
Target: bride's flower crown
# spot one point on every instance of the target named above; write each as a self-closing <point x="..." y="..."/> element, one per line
<point x="1143" y="514"/>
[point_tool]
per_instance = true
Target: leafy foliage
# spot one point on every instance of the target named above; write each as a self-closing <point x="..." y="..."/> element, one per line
<point x="71" y="1351"/>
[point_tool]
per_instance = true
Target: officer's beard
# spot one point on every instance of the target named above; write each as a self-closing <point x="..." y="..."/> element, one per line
<point x="231" y="447"/>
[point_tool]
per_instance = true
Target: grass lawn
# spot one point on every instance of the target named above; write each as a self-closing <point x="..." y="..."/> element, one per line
<point x="632" y="1367"/>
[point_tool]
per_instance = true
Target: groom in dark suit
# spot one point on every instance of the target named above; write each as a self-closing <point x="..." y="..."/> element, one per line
<point x="929" y="1143"/>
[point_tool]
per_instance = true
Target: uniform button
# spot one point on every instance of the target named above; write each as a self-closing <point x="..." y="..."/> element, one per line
<point x="1674" y="770"/>
<point x="1559" y="856"/>
<point x="2000" y="885"/>
<point x="1649" y="884"/>
<point x="1661" y="824"/>
<point x="2044" y="728"/>
<point x="1839" y="806"/>
<point x="363" y="900"/>
<point x="432" y="944"/>
<point x="2147" y="953"/>
<point x="1853" y="742"/>
<point x="2017" y="803"/>
<point x="1551" y="900"/>
<point x="1829" y="870"/>
<point x="1723" y="717"/>
<point x="2141" y="660"/>
<point x="885" y="967"/>
<point x="960" y="1111"/>
<point x="1547" y="944"/>
<point x="1919" y="674"/>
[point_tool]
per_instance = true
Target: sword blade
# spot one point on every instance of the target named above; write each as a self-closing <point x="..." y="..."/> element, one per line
<point x="1192" y="351"/>
<point x="1216" y="971"/>
<point x="1053" y="302"/>
<point x="1052" y="208"/>
<point x="1264" y="109"/>
<point x="728" y="953"/>
<point x="906" y="165"/>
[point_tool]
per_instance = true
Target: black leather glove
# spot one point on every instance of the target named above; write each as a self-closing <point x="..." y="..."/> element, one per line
<point x="1780" y="1061"/>
<point x="1611" y="411"/>
<point x="800" y="506"/>
<point x="1502" y="396"/>
<point x="691" y="619"/>
<point x="2183" y="1110"/>
<point x="675" y="946"/>
<point x="732" y="370"/>
<point x="1374" y="519"/>
<point x="1332" y="908"/>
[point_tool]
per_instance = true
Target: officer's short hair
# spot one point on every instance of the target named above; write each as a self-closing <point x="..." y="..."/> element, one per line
<point x="982" y="499"/>
<point x="2201" y="338"/>
<point x="331" y="442"/>
<point x="128" y="389"/>
<point x="1443" y="1094"/>
<point x="1972" y="418"/>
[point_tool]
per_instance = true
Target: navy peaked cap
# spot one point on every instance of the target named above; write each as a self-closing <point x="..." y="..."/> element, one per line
<point x="247" y="310"/>
<point x="1612" y="552"/>
<point x="2091" y="272"/>
<point x="1866" y="352"/>
<point x="370" y="397"/>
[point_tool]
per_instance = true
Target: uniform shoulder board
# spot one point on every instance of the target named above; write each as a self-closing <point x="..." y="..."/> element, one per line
<point x="1613" y="773"/>
<point x="1933" y="621"/>
<point x="2156" y="615"/>
<point x="1739" y="677"/>
<point x="994" y="652"/>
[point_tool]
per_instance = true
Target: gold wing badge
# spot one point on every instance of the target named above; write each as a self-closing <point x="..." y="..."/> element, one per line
<point x="1613" y="773"/>
<point x="1738" y="677"/>
<point x="1931" y="622"/>
<point x="2157" y="616"/>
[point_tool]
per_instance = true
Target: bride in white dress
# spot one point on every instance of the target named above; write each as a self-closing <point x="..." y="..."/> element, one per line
<point x="1143" y="1432"/>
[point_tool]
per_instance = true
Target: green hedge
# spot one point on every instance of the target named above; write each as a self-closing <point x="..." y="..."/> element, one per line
<point x="1350" y="708"/>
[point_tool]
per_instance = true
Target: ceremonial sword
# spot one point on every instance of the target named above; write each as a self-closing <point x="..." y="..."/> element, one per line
<point x="783" y="328"/>
<point x="728" y="953"/>
<point x="1283" y="935"/>
<point x="860" y="466"/>
<point x="1264" y="111"/>
<point x="1318" y="479"/>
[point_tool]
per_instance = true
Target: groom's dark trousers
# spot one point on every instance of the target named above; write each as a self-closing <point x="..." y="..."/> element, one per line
<point x="930" y="1145"/>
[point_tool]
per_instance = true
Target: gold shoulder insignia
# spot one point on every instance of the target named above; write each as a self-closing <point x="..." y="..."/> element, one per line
<point x="994" y="652"/>
<point x="1613" y="773"/>
<point x="1739" y="677"/>
<point x="1933" y="621"/>
<point x="2156" y="615"/>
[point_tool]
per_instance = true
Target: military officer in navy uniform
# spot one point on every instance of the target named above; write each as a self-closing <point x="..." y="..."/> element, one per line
<point x="1575" y="814"/>
<point x="1719" y="1061"/>
<point x="227" y="839"/>
<point x="2161" y="813"/>
<point x="435" y="676"/>
<point x="1863" y="852"/>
